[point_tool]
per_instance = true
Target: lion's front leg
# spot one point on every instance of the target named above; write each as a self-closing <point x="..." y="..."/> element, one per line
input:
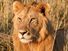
<point x="16" y="43"/>
<point x="49" y="43"/>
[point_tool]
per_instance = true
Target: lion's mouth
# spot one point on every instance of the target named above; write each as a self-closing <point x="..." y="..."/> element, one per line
<point x="25" y="38"/>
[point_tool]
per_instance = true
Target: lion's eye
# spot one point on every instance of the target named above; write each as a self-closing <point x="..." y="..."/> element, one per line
<point x="19" y="19"/>
<point x="33" y="22"/>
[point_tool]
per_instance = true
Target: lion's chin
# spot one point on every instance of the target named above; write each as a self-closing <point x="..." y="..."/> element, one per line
<point x="25" y="41"/>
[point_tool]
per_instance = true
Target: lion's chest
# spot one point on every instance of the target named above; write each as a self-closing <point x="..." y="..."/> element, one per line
<point x="39" y="47"/>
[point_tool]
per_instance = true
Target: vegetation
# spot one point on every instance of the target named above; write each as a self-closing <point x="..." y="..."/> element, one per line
<point x="58" y="15"/>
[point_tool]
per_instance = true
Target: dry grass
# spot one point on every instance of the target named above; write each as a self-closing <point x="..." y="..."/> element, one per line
<point x="58" y="16"/>
<point x="5" y="42"/>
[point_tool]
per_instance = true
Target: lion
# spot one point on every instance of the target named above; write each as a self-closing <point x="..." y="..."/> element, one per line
<point x="32" y="29"/>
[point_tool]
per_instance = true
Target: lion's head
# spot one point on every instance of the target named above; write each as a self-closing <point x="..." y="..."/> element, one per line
<point x="31" y="22"/>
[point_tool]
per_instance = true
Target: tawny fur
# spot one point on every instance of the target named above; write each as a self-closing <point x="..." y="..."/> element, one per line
<point x="46" y="42"/>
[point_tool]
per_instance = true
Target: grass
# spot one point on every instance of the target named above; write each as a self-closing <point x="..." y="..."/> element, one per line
<point x="5" y="42"/>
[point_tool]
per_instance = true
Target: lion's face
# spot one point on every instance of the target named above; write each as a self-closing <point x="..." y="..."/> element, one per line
<point x="30" y="23"/>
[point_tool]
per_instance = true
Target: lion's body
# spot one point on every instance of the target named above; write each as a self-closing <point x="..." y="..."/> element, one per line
<point x="43" y="46"/>
<point x="43" y="41"/>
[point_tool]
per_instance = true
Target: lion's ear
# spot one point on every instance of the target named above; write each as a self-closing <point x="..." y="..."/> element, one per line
<point x="17" y="6"/>
<point x="43" y="8"/>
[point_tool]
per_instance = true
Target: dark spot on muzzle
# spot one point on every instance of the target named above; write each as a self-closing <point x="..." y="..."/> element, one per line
<point x="23" y="32"/>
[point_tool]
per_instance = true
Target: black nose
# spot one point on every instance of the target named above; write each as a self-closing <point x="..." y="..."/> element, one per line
<point x="23" y="32"/>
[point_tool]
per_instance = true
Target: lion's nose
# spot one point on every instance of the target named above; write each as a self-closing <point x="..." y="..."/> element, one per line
<point x="23" y="32"/>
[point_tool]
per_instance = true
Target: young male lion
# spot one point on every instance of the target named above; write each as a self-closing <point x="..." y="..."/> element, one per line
<point x="32" y="29"/>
